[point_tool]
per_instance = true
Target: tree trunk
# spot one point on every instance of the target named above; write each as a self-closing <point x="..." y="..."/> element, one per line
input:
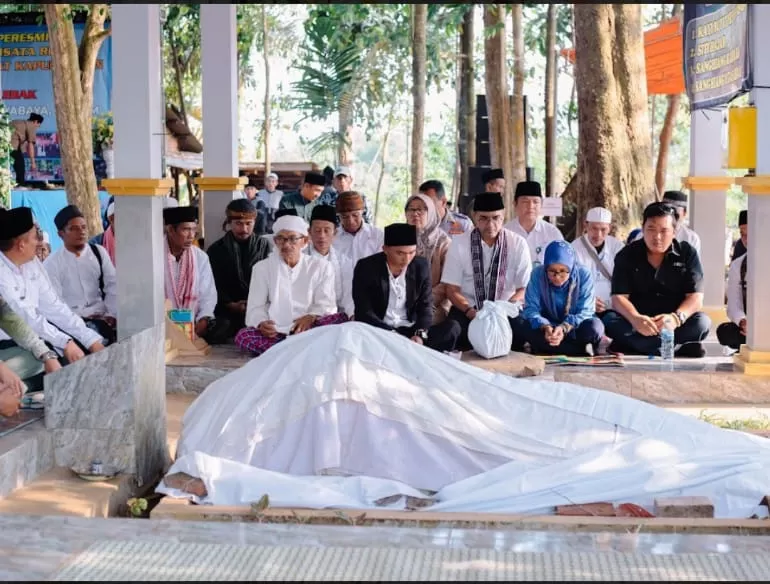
<point x="614" y="149"/>
<point x="466" y="117"/>
<point x="667" y="131"/>
<point x="178" y="79"/>
<point x="268" y="113"/>
<point x="419" y="56"/>
<point x="345" y="129"/>
<point x="550" y="101"/>
<point x="72" y="71"/>
<point x="518" y="114"/>
<point x="498" y="102"/>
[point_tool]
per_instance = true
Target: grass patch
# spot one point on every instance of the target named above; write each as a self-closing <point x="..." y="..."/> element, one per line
<point x="759" y="423"/>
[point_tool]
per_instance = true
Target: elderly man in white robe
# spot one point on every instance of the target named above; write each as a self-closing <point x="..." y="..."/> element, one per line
<point x="83" y="275"/>
<point x="25" y="285"/>
<point x="596" y="250"/>
<point x="189" y="281"/>
<point x="528" y="203"/>
<point x="323" y="229"/>
<point x="290" y="292"/>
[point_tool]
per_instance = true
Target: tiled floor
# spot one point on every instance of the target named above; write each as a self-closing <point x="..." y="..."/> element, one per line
<point x="41" y="547"/>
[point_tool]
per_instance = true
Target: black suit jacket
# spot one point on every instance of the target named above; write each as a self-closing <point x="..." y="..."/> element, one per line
<point x="371" y="290"/>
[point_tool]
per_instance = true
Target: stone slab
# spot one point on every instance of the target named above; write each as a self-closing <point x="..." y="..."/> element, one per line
<point x="24" y="455"/>
<point x="684" y="507"/>
<point x="111" y="405"/>
<point x="514" y="364"/>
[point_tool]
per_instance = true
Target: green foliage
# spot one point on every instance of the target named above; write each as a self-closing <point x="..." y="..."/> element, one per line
<point x="137" y="506"/>
<point x="103" y="130"/>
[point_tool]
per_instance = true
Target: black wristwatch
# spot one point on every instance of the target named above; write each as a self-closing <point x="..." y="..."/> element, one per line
<point x="422" y="333"/>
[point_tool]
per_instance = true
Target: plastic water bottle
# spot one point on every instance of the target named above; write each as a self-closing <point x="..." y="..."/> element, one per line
<point x="667" y="340"/>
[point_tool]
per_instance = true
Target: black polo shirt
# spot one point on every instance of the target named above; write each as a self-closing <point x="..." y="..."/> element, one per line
<point x="660" y="291"/>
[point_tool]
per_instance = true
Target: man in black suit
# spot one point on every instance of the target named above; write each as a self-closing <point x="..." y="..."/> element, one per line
<point x="392" y="290"/>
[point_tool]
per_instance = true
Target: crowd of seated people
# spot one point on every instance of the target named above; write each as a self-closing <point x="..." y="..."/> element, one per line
<point x="323" y="263"/>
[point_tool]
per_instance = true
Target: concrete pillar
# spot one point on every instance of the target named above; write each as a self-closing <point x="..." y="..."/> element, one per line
<point x="219" y="61"/>
<point x="754" y="357"/>
<point x="708" y="186"/>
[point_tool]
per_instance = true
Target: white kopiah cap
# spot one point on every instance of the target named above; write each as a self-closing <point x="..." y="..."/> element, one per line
<point x="170" y="202"/>
<point x="111" y="209"/>
<point x="272" y="175"/>
<point x="599" y="215"/>
<point x="290" y="223"/>
<point x="46" y="239"/>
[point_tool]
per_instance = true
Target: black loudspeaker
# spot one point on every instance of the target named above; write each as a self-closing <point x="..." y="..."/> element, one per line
<point x="483" y="153"/>
<point x="475" y="185"/>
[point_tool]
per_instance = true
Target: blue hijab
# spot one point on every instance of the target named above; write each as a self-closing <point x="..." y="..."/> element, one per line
<point x="559" y="252"/>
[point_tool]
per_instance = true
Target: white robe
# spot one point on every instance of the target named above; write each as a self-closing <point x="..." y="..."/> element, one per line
<point x="350" y="248"/>
<point x="283" y="294"/>
<point x="538" y="239"/>
<point x="602" y="285"/>
<point x="76" y="281"/>
<point x="204" y="288"/>
<point x="344" y="301"/>
<point x="29" y="292"/>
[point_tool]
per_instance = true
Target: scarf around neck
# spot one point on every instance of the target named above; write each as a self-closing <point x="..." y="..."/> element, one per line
<point x="558" y="252"/>
<point x="497" y="268"/>
<point x="181" y="291"/>
<point x="108" y="241"/>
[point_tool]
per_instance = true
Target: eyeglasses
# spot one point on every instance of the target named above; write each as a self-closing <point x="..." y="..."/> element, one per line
<point x="416" y="211"/>
<point x="557" y="273"/>
<point x="280" y="239"/>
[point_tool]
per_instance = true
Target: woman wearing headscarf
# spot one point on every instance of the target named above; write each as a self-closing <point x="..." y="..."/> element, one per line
<point x="432" y="244"/>
<point x="558" y="316"/>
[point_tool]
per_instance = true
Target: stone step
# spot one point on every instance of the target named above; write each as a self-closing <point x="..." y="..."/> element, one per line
<point x="24" y="455"/>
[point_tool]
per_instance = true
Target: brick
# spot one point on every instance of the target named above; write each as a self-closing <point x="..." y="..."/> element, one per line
<point x="587" y="510"/>
<point x="687" y="507"/>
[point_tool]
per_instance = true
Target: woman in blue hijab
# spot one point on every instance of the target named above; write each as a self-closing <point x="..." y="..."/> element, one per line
<point x="558" y="316"/>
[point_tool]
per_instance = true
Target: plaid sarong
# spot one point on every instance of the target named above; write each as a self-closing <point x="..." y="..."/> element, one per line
<point x="497" y="268"/>
<point x="251" y="340"/>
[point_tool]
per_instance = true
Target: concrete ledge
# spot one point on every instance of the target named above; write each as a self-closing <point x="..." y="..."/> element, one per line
<point x="182" y="510"/>
<point x="60" y="492"/>
<point x="24" y="454"/>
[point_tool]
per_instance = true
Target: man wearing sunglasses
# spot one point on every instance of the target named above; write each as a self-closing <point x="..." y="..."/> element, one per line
<point x="657" y="278"/>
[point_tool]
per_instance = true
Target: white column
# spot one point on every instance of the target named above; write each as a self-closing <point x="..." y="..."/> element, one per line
<point x="219" y="55"/>
<point x="758" y="338"/>
<point x="707" y="205"/>
<point x="137" y="108"/>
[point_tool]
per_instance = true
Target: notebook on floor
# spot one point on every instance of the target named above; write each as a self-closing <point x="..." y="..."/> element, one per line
<point x="595" y="361"/>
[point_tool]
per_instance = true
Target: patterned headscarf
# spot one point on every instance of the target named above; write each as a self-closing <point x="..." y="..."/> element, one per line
<point x="431" y="236"/>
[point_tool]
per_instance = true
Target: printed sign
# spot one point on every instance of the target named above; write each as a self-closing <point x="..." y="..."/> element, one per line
<point x="717" y="53"/>
<point x="552" y="207"/>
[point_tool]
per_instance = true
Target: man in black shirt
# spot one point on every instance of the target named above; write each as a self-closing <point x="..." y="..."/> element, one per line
<point x="655" y="278"/>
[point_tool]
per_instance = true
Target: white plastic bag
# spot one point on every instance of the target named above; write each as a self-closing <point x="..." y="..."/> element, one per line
<point x="490" y="332"/>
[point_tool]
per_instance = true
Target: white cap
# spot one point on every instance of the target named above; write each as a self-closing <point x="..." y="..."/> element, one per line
<point x="599" y="215"/>
<point x="46" y="239"/>
<point x="111" y="209"/>
<point x="272" y="175"/>
<point x="343" y="170"/>
<point x="290" y="223"/>
<point x="170" y="202"/>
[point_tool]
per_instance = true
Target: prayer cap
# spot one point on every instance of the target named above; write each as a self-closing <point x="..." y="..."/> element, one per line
<point x="743" y="218"/>
<point x="284" y="212"/>
<point x="170" y="202"/>
<point x="488" y="202"/>
<point x="315" y="178"/>
<point x="46" y="239"/>
<point x="599" y="215"/>
<point x="492" y="174"/>
<point x="65" y="215"/>
<point x="241" y="209"/>
<point x="15" y="222"/>
<point x="559" y="252"/>
<point x="350" y="201"/>
<point x="324" y="213"/>
<point x="177" y="215"/>
<point x="343" y="170"/>
<point x="111" y="209"/>
<point x="676" y="198"/>
<point x="290" y="223"/>
<point x="400" y="234"/>
<point x="528" y="188"/>
<point x="272" y="175"/>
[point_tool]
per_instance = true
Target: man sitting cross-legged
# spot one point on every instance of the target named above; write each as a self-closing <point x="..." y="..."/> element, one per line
<point x="290" y="291"/>
<point x="232" y="259"/>
<point x="392" y="290"/>
<point x="657" y="278"/>
<point x="25" y="285"/>
<point x="323" y="229"/>
<point x="486" y="263"/>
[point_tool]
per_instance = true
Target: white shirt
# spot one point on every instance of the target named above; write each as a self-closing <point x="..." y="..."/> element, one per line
<point x="735" y="309"/>
<point x="538" y="239"/>
<point x="76" y="281"/>
<point x="283" y="294"/>
<point x="458" y="266"/>
<point x="204" y="288"/>
<point x="602" y="285"/>
<point x="395" y="314"/>
<point x="29" y="292"/>
<point x="344" y="301"/>
<point x="352" y="247"/>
